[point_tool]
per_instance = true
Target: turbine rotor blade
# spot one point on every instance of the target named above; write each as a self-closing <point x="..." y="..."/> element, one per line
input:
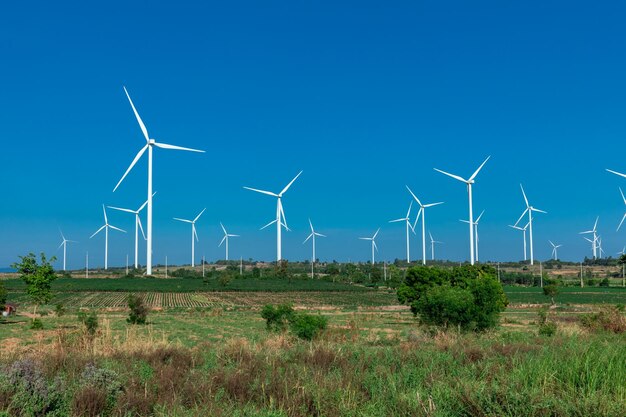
<point x="261" y="191"/>
<point x="222" y="241"/>
<point x="520" y="217"/>
<point x="433" y="204"/>
<point x="141" y="125"/>
<point x="223" y="228"/>
<point x="320" y="235"/>
<point x="375" y="234"/>
<point x="414" y="196"/>
<point x="122" y="209"/>
<point x="177" y="148"/>
<point x="539" y="211"/>
<point x="308" y="237"/>
<point x="117" y="228"/>
<point x="617" y="173"/>
<point x="269" y="224"/>
<point x="408" y="213"/>
<point x="132" y="164"/>
<point x="289" y="185"/>
<point x="144" y="204"/>
<point x="98" y="231"/>
<point x="524" y="194"/>
<point x="141" y="228"/>
<point x="193" y="229"/>
<point x="105" y="215"/>
<point x="182" y="220"/>
<point x="456" y="177"/>
<point x="479" y="168"/>
<point x="620" y="223"/>
<point x="398" y="220"/>
<point x="198" y="216"/>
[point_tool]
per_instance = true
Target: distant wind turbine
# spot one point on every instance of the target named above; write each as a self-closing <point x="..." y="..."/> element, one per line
<point x="150" y="144"/>
<point x="422" y="212"/>
<point x="64" y="243"/>
<point x="225" y="239"/>
<point x="432" y="245"/>
<point x="138" y="227"/>
<point x="594" y="242"/>
<point x="373" y="240"/>
<point x="523" y="229"/>
<point x="312" y="237"/>
<point x="407" y="220"/>
<point x="475" y="231"/>
<point x="529" y="210"/>
<point x="554" y="250"/>
<point x="280" y="215"/>
<point x="624" y="217"/>
<point x="469" y="183"/>
<point x="194" y="234"/>
<point x="106" y="228"/>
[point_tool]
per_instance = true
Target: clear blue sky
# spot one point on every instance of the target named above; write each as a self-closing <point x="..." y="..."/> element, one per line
<point x="365" y="97"/>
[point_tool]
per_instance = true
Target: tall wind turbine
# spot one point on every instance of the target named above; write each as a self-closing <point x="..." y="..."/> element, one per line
<point x="150" y="144"/>
<point x="469" y="183"/>
<point x="138" y="226"/>
<point x="312" y="237"/>
<point x="280" y="215"/>
<point x="373" y="240"/>
<point x="554" y="250"/>
<point x="432" y="245"/>
<point x="623" y="218"/>
<point x="529" y="210"/>
<point x="194" y="234"/>
<point x="106" y="228"/>
<point x="422" y="212"/>
<point x="407" y="220"/>
<point x="225" y="239"/>
<point x="523" y="229"/>
<point x="64" y="243"/>
<point x="476" y="240"/>
<point x="594" y="242"/>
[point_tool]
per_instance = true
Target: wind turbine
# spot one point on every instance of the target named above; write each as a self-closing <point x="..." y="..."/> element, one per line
<point x="623" y="218"/>
<point x="529" y="210"/>
<point x="106" y="228"/>
<point x="432" y="245"/>
<point x="408" y="226"/>
<point x="150" y="144"/>
<point x="194" y="234"/>
<point x="137" y="227"/>
<point x="616" y="173"/>
<point x="280" y="215"/>
<point x="64" y="244"/>
<point x="594" y="242"/>
<point x="475" y="231"/>
<point x="225" y="239"/>
<point x="373" y="240"/>
<point x="422" y="212"/>
<point x="312" y="237"/>
<point x="554" y="250"/>
<point x="523" y="229"/>
<point x="469" y="183"/>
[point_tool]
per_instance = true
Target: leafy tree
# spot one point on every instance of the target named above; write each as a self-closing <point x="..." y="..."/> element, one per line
<point x="551" y="291"/>
<point x="3" y="296"/>
<point x="37" y="276"/>
<point x="138" y="310"/>
<point x="277" y="318"/>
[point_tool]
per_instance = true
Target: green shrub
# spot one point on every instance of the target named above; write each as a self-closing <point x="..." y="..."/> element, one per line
<point x="138" y="310"/>
<point x="609" y="319"/>
<point x="547" y="329"/>
<point x="307" y="326"/>
<point x="89" y="320"/>
<point x="605" y="283"/>
<point x="277" y="318"/>
<point x="551" y="291"/>
<point x="36" y="324"/>
<point x="59" y="310"/>
<point x="3" y="296"/>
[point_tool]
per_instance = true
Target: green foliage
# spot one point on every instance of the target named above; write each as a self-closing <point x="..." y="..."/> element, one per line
<point x="609" y="319"/>
<point x="3" y="296"/>
<point x="546" y="328"/>
<point x="90" y="321"/>
<point x="605" y="283"/>
<point x="138" y="310"/>
<point x="36" y="324"/>
<point x="307" y="326"/>
<point x="551" y="290"/>
<point x="469" y="297"/>
<point x="277" y="318"/>
<point x="38" y="277"/>
<point x="225" y="278"/>
<point x="59" y="310"/>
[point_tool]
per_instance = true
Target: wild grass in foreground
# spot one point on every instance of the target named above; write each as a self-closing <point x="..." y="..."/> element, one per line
<point x="342" y="373"/>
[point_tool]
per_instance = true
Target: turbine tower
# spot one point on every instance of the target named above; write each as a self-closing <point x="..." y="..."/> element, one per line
<point x="373" y="240"/>
<point x="469" y="183"/>
<point x="150" y="144"/>
<point x="529" y="210"/>
<point x="280" y="215"/>
<point x="476" y="240"/>
<point x="106" y="228"/>
<point x="523" y="229"/>
<point x="432" y="245"/>
<point x="624" y="217"/>
<point x="312" y="237"/>
<point x="64" y="243"/>
<point x="594" y="242"/>
<point x="225" y="239"/>
<point x="194" y="234"/>
<point x="554" y="250"/>
<point x="408" y="226"/>
<point x="422" y="212"/>
<point x="138" y="227"/>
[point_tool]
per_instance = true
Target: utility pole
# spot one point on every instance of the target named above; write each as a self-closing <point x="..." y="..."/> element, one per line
<point x="165" y="266"/>
<point x="498" y="271"/>
<point x="126" y="264"/>
<point x="581" y="276"/>
<point x="241" y="266"/>
<point x="202" y="266"/>
<point x="385" y="270"/>
<point x="87" y="265"/>
<point x="541" y="274"/>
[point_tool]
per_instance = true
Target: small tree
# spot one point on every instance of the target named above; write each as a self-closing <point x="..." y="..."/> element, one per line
<point x="38" y="277"/>
<point x="551" y="291"/>
<point x="138" y="310"/>
<point x="3" y="296"/>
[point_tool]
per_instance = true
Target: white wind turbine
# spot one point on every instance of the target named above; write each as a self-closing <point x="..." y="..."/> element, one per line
<point x="594" y="242"/>
<point x="280" y="215"/>
<point x="476" y="240"/>
<point x="554" y="250"/>
<point x="150" y="144"/>
<point x="373" y="240"/>
<point x="469" y="183"/>
<point x="529" y="210"/>
<point x="407" y="220"/>
<point x="312" y="237"/>
<point x="138" y="227"/>
<point x="194" y="234"/>
<point x="64" y="243"/>
<point x="225" y="239"/>
<point x="623" y="218"/>
<point x="432" y="245"/>
<point x="422" y="212"/>
<point x="523" y="229"/>
<point x="106" y="228"/>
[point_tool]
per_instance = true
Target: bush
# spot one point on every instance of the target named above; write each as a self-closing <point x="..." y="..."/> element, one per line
<point x="59" y="310"/>
<point x="605" y="283"/>
<point x="138" y="310"/>
<point x="547" y="329"/>
<point x="3" y="296"/>
<point x="89" y="320"/>
<point x="277" y="318"/>
<point x="551" y="290"/>
<point x="609" y="319"/>
<point x="36" y="324"/>
<point x="307" y="326"/>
